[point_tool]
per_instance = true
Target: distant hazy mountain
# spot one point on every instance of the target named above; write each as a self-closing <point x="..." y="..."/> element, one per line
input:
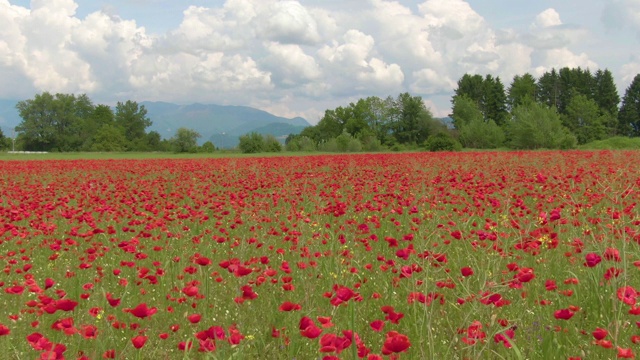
<point x="218" y="123"/>
<point x="214" y="122"/>
<point x="447" y="121"/>
<point x="9" y="117"/>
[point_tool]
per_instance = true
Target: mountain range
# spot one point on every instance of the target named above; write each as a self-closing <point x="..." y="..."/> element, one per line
<point x="220" y="124"/>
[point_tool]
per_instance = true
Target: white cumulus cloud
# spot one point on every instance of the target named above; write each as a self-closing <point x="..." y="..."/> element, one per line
<point x="293" y="57"/>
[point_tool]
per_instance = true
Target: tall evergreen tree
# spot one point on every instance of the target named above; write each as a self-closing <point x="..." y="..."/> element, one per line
<point x="521" y="91"/>
<point x="473" y="87"/>
<point x="549" y="88"/>
<point x="606" y="92"/>
<point x="495" y="101"/>
<point x="629" y="115"/>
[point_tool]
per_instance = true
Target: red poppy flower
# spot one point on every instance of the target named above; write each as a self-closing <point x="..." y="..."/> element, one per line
<point x="377" y="325"/>
<point x="628" y="295"/>
<point x="4" y="330"/>
<point x="88" y="331"/>
<point x="66" y="304"/>
<point x="599" y="333"/>
<point x="612" y="254"/>
<point x="466" y="271"/>
<point x="48" y="283"/>
<point x="38" y="342"/>
<point x="138" y="341"/>
<point x="395" y="343"/>
<point x="142" y="311"/>
<point x="289" y="306"/>
<point x="592" y="259"/>
<point x="194" y="318"/>
<point x="113" y="302"/>
<point x="563" y="314"/>
<point x="308" y="328"/>
<point x="625" y="353"/>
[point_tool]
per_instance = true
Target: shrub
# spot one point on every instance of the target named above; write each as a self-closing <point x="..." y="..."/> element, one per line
<point x="251" y="143"/>
<point x="535" y="126"/>
<point x="442" y="142"/>
<point x="271" y="144"/>
<point x="207" y="147"/>
<point x="330" y="145"/>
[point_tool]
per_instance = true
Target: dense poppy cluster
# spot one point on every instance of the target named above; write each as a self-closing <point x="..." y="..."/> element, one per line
<point x="467" y="255"/>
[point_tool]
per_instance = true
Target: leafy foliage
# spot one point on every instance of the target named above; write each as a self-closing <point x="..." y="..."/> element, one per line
<point x="442" y="142"/>
<point x="584" y="120"/>
<point x="536" y="126"/>
<point x="185" y="140"/>
<point x="629" y="116"/>
<point x="251" y="143"/>
<point x="482" y="135"/>
<point x="208" y="147"/>
<point x="271" y="144"/>
<point x="521" y="91"/>
<point x="66" y="122"/>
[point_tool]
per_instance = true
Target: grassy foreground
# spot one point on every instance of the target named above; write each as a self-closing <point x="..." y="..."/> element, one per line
<point x="505" y="255"/>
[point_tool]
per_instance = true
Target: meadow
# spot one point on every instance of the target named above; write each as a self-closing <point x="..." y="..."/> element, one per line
<point x="478" y="255"/>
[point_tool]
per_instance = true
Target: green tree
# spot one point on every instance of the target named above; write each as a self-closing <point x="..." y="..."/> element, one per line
<point x="536" y="126"/>
<point x="479" y="134"/>
<point x="442" y="142"/>
<point x="133" y="119"/>
<point x="413" y="120"/>
<point x="331" y="124"/>
<point x="53" y="122"/>
<point x="185" y="140"/>
<point x="154" y="141"/>
<point x="557" y="88"/>
<point x="100" y="116"/>
<point x="38" y="126"/>
<point x="549" y="89"/>
<point x="473" y="87"/>
<point x="464" y="111"/>
<point x="207" y="147"/>
<point x="251" y="143"/>
<point x="606" y="93"/>
<point x="521" y="91"/>
<point x="300" y="143"/>
<point x="584" y="119"/>
<point x="4" y="141"/>
<point x="109" y="138"/>
<point x="629" y="115"/>
<point x="486" y="93"/>
<point x="271" y="144"/>
<point x="494" y="100"/>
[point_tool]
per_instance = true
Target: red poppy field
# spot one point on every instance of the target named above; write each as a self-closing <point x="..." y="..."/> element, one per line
<point x="520" y="255"/>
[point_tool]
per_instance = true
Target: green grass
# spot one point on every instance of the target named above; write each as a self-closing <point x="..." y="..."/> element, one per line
<point x="614" y="143"/>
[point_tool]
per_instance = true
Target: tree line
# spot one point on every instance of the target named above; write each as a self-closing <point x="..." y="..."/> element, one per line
<point x="66" y="122"/>
<point x="559" y="110"/>
<point x="371" y="124"/>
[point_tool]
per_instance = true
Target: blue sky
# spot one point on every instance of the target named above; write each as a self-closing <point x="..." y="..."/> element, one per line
<point x="298" y="58"/>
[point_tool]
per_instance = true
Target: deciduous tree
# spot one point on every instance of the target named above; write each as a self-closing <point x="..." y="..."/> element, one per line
<point x="185" y="140"/>
<point x="536" y="126"/>
<point x="584" y="119"/>
<point x="133" y="119"/>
